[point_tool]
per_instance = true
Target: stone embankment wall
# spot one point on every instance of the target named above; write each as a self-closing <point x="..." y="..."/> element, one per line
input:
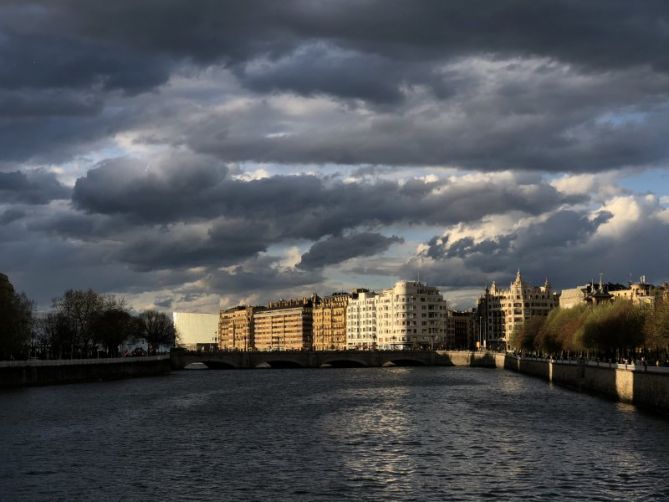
<point x="646" y="386"/>
<point x="25" y="373"/>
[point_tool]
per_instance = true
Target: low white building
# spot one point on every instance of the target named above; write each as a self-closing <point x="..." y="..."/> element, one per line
<point x="361" y="320"/>
<point x="410" y="314"/>
<point x="196" y="331"/>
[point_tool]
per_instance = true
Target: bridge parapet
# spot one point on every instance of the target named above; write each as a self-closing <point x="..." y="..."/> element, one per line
<point x="310" y="359"/>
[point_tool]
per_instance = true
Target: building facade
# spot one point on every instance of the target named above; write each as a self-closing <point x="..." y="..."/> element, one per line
<point x="361" y="321"/>
<point x="410" y="315"/>
<point x="502" y="310"/>
<point x="236" y="329"/>
<point x="460" y="330"/>
<point x="196" y="331"/>
<point x="642" y="293"/>
<point x="329" y="322"/>
<point x="285" y="325"/>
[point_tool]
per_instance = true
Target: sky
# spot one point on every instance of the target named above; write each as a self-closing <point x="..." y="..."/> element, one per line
<point x="186" y="155"/>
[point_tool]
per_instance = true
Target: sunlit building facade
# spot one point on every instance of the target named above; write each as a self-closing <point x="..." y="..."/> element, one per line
<point x="410" y="315"/>
<point x="361" y="320"/>
<point x="329" y="322"/>
<point x="642" y="293"/>
<point x="502" y="310"/>
<point x="285" y="325"/>
<point x="236" y="328"/>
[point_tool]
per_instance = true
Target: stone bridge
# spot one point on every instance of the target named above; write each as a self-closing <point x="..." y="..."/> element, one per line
<point x="306" y="359"/>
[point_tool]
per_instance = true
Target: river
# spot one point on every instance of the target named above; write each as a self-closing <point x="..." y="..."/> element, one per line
<point x="331" y="434"/>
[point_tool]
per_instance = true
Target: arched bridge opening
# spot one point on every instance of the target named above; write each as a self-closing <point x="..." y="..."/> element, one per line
<point x="283" y="364"/>
<point x="404" y="362"/>
<point x="343" y="363"/>
<point x="219" y="365"/>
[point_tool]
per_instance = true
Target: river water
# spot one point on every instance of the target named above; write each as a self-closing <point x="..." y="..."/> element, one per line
<point x="329" y="434"/>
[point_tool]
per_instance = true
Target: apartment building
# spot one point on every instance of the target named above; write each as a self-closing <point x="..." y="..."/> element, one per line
<point x="329" y="322"/>
<point x="361" y="320"/>
<point x="410" y="315"/>
<point x="501" y="310"/>
<point x="285" y="325"/>
<point x="236" y="328"/>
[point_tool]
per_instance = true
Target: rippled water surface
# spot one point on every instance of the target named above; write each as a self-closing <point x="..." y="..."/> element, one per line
<point x="331" y="434"/>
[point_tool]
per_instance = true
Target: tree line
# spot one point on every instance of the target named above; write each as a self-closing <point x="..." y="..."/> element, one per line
<point x="83" y="323"/>
<point x="609" y="331"/>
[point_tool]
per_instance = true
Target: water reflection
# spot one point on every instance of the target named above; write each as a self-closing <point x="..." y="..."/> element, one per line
<point x="404" y="433"/>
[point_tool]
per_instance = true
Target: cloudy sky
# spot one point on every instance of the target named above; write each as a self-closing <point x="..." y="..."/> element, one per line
<point x="181" y="153"/>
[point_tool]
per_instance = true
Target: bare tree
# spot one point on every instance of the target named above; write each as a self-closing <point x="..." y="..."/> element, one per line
<point x="158" y="329"/>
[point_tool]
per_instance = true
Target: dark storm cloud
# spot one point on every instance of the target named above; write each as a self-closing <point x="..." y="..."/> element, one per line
<point x="261" y="275"/>
<point x="32" y="187"/>
<point x="11" y="215"/>
<point x="182" y="187"/>
<point x="322" y="69"/>
<point x="603" y="33"/>
<point x="182" y="211"/>
<point x="373" y="56"/>
<point x="531" y="85"/>
<point x="153" y="191"/>
<point x="564" y="247"/>
<point x="62" y="61"/>
<point x="338" y="248"/>
<point x="226" y="243"/>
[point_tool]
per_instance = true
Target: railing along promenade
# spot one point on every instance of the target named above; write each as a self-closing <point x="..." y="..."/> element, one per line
<point x="57" y="371"/>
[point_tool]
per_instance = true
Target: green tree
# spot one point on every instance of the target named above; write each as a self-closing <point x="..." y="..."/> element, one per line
<point x="158" y="329"/>
<point x="656" y="328"/>
<point x="524" y="336"/>
<point x="562" y="329"/>
<point x="615" y="326"/>
<point x="15" y="321"/>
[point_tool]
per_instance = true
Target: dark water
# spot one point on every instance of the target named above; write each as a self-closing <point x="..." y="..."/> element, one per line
<point x="358" y="434"/>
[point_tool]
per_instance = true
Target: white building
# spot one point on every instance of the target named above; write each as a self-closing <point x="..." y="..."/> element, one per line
<point x="196" y="331"/>
<point x="410" y="314"/>
<point x="361" y="320"/>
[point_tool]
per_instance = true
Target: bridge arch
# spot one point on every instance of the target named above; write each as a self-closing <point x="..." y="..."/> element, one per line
<point x="404" y="361"/>
<point x="280" y="363"/>
<point x="343" y="362"/>
<point x="218" y="365"/>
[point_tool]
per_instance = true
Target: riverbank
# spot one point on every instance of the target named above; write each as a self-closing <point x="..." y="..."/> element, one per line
<point x="644" y="386"/>
<point x="30" y="373"/>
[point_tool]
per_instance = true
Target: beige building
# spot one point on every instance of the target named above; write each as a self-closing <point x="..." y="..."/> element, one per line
<point x="329" y="322"/>
<point x="285" y="325"/>
<point x="589" y="294"/>
<point x="502" y="310"/>
<point x="236" y="328"/>
<point x="642" y="293"/>
<point x="410" y="315"/>
<point x="361" y="321"/>
<point x="196" y="331"/>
